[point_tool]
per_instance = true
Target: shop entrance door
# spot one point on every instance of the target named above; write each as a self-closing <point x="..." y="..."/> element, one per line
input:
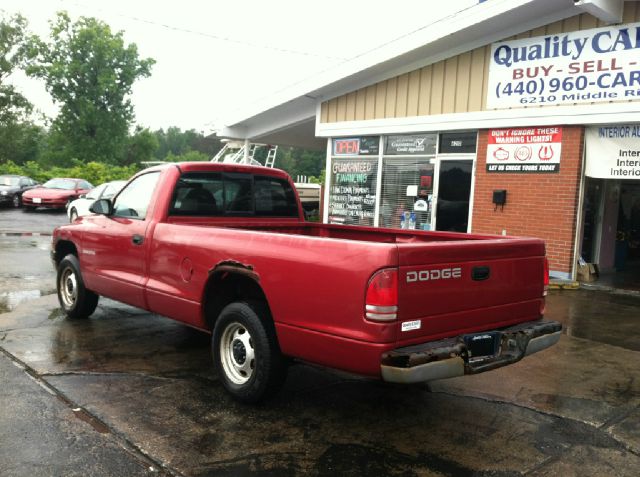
<point x="611" y="234"/>
<point x="592" y="219"/>
<point x="453" y="195"/>
<point x="627" y="248"/>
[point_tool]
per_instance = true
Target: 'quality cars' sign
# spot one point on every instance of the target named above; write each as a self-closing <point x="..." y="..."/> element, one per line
<point x="602" y="64"/>
<point x="524" y="150"/>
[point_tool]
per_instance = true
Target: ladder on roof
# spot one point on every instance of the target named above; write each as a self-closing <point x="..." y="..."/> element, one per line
<point x="271" y="156"/>
<point x="234" y="153"/>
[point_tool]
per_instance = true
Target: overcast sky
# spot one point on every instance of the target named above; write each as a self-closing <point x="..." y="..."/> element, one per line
<point x="215" y="57"/>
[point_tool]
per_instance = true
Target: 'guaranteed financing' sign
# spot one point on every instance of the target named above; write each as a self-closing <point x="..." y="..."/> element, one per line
<point x="602" y="64"/>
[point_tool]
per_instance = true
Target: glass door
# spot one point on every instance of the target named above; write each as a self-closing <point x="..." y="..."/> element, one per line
<point x="453" y="195"/>
<point x="592" y="219"/>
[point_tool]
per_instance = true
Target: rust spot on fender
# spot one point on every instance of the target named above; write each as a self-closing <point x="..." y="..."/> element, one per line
<point x="228" y="266"/>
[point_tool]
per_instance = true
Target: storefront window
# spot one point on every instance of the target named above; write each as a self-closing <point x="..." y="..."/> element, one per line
<point x="354" y="170"/>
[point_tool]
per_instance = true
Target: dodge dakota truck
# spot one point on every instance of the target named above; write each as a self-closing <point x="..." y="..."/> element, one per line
<point x="225" y="248"/>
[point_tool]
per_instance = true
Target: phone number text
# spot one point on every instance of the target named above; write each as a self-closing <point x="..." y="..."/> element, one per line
<point x="571" y="88"/>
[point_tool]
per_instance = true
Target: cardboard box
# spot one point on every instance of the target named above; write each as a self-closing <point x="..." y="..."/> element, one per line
<point x="586" y="272"/>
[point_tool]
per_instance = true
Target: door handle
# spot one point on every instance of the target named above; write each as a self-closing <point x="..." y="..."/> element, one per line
<point x="137" y="239"/>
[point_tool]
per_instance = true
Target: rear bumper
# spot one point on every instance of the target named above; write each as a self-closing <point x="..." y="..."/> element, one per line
<point x="450" y="357"/>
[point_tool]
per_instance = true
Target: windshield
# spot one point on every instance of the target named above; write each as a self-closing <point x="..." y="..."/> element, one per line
<point x="9" y="180"/>
<point x="95" y="193"/>
<point x="66" y="184"/>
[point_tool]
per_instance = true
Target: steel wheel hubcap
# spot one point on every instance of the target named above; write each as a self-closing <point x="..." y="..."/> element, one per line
<point x="237" y="354"/>
<point x="68" y="288"/>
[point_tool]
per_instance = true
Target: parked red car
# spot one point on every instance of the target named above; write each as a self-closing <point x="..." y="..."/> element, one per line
<point x="55" y="193"/>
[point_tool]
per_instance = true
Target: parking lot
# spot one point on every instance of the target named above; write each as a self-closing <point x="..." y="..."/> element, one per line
<point x="130" y="393"/>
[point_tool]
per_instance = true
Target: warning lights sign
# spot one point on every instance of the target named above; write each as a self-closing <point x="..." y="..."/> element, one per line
<point x="523" y="150"/>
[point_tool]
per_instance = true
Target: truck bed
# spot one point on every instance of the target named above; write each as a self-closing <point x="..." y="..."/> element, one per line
<point x="511" y="293"/>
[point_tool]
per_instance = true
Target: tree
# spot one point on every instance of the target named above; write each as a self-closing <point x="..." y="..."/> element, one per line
<point x="20" y="140"/>
<point x="300" y="162"/>
<point x="176" y="142"/>
<point x="89" y="72"/>
<point x="141" y="146"/>
<point x="173" y="141"/>
<point x="15" y="52"/>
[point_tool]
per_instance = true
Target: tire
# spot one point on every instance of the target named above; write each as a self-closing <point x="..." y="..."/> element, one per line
<point x="246" y="353"/>
<point x="16" y="201"/>
<point x="73" y="215"/>
<point x="74" y="298"/>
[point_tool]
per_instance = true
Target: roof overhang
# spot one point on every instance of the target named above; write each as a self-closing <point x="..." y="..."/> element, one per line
<point x="292" y="124"/>
<point x="289" y="117"/>
<point x="609" y="11"/>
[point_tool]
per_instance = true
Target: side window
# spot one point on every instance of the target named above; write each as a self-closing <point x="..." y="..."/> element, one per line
<point x="274" y="198"/>
<point x="133" y="200"/>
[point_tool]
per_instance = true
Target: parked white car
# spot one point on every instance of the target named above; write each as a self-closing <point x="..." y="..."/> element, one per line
<point x="80" y="206"/>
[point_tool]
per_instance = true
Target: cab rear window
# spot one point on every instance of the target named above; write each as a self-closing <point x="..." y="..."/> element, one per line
<point x="231" y="194"/>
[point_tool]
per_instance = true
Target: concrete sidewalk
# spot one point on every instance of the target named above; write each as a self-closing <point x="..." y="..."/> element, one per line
<point x="42" y="434"/>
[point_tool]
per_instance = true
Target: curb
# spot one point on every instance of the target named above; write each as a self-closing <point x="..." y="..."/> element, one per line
<point x="571" y="285"/>
<point x="563" y="285"/>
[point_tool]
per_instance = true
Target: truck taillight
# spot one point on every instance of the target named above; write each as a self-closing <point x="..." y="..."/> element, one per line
<point x="546" y="276"/>
<point x="382" y="296"/>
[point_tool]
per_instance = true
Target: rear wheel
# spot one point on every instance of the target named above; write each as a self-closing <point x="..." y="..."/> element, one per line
<point x="76" y="301"/>
<point x="246" y="353"/>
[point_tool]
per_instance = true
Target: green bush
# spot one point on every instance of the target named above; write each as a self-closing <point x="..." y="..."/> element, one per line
<point x="94" y="172"/>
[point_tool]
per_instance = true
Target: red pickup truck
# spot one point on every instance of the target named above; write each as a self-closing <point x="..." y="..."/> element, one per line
<point x="226" y="249"/>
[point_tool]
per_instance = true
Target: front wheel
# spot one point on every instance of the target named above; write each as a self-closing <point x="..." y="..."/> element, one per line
<point x="73" y="215"/>
<point x="246" y="353"/>
<point x="75" y="299"/>
<point x="16" y="201"/>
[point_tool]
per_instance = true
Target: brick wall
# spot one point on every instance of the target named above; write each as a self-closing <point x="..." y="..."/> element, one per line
<point x="538" y="205"/>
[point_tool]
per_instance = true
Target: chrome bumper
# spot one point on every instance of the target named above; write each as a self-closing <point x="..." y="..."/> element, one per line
<point x="450" y="357"/>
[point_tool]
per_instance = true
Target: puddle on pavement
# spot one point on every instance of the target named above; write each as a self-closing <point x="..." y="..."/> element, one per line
<point x="10" y="300"/>
<point x="40" y="243"/>
<point x="597" y="316"/>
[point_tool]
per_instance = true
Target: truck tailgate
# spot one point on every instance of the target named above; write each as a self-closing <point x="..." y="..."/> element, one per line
<point x="455" y="287"/>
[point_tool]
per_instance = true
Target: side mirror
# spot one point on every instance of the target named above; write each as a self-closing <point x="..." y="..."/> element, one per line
<point x="102" y="207"/>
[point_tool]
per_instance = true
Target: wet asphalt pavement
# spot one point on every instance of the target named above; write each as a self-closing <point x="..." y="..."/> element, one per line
<point x="129" y="393"/>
